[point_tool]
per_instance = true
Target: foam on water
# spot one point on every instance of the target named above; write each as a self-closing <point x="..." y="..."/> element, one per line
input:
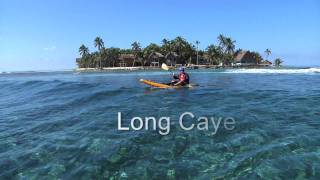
<point x="161" y="72"/>
<point x="275" y="71"/>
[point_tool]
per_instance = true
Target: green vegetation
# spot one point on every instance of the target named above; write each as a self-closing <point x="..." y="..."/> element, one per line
<point x="176" y="51"/>
<point x="278" y="62"/>
<point x="267" y="52"/>
<point x="100" y="45"/>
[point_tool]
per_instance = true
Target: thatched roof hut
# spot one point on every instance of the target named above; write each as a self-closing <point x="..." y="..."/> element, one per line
<point x="126" y="56"/>
<point x="126" y="60"/>
<point x="171" y="58"/>
<point x="155" y="55"/>
<point x="245" y="58"/>
<point x="171" y="55"/>
<point x="155" y="59"/>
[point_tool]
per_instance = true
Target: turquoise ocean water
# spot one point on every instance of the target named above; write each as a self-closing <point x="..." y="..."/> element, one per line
<point x="63" y="125"/>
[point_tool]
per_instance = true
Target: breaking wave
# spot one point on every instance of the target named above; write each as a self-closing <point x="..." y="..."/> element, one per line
<point x="275" y="71"/>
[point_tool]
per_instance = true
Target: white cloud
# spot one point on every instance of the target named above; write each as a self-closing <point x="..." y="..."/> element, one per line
<point x="52" y="48"/>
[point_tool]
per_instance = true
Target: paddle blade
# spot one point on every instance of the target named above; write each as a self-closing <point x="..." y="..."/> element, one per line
<point x="164" y="67"/>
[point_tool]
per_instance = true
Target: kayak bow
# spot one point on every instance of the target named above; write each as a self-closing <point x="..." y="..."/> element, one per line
<point x="154" y="84"/>
<point x="160" y="85"/>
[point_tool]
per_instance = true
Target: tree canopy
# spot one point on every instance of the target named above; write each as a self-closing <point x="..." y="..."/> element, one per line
<point x="178" y="49"/>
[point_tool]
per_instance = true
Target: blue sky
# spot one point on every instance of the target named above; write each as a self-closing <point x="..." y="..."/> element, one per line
<point x="46" y="35"/>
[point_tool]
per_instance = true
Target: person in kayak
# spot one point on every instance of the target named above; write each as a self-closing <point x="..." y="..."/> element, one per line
<point x="182" y="79"/>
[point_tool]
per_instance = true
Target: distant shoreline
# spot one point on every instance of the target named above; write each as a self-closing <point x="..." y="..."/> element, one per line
<point x="240" y="70"/>
<point x="136" y="68"/>
<point x="132" y="69"/>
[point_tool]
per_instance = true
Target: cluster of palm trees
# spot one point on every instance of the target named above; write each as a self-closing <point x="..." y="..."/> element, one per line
<point x="223" y="53"/>
<point x="183" y="51"/>
<point x="177" y="50"/>
<point x="277" y="62"/>
<point x="104" y="57"/>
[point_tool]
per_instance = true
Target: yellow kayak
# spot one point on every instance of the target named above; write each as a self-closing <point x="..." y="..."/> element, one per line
<point x="160" y="85"/>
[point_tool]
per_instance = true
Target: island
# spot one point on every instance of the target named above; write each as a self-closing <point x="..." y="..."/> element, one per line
<point x="175" y="53"/>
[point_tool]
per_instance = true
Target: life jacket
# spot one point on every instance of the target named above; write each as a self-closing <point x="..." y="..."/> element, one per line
<point x="184" y="77"/>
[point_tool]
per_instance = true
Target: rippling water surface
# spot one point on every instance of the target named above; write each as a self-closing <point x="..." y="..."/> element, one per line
<point x="64" y="125"/>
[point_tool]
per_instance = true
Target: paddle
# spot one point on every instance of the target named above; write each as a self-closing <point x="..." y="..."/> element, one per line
<point x="165" y="67"/>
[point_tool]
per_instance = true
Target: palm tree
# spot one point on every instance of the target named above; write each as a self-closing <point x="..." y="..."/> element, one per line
<point x="104" y="56"/>
<point x="178" y="44"/>
<point x="165" y="41"/>
<point x="95" y="59"/>
<point x="98" y="42"/>
<point x="197" y="43"/>
<point x="257" y="57"/>
<point x="278" y="62"/>
<point x="113" y="55"/>
<point x="136" y="49"/>
<point x="215" y="54"/>
<point x="84" y="52"/>
<point x="183" y="49"/>
<point x="268" y="53"/>
<point x="230" y="47"/>
<point x="166" y="46"/>
<point x="222" y="41"/>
